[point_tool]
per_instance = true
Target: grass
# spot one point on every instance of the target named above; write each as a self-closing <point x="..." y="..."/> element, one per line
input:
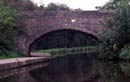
<point x="10" y="54"/>
<point x="58" y="52"/>
<point x="49" y="50"/>
<point x="60" y="49"/>
<point x="7" y="57"/>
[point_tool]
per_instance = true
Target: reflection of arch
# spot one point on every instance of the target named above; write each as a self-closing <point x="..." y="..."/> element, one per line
<point x="44" y="34"/>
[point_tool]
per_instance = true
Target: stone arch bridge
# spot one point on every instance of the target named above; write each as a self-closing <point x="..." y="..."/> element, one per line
<point x="39" y="23"/>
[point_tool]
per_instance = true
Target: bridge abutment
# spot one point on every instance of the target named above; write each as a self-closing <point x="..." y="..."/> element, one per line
<point x="22" y="46"/>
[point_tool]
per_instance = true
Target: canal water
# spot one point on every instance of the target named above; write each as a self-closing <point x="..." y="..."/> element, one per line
<point x="76" y="68"/>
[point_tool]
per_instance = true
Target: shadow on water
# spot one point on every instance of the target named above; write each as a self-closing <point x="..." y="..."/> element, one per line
<point x="76" y="68"/>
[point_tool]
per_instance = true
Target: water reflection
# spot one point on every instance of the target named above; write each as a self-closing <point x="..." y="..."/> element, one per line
<point x="78" y="68"/>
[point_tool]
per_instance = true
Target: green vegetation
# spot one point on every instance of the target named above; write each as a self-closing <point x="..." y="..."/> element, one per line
<point x="9" y="54"/>
<point x="49" y="50"/>
<point x="111" y="5"/>
<point x="125" y="52"/>
<point x="65" y="51"/>
<point x="56" y="7"/>
<point x="8" y="57"/>
<point x="21" y="5"/>
<point x="28" y="5"/>
<point x="8" y="30"/>
<point x="125" y="68"/>
<point x="115" y="43"/>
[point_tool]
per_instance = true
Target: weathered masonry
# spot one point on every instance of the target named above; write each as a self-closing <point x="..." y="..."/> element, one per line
<point x="37" y="24"/>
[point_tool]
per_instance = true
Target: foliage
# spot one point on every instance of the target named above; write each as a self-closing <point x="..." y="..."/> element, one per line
<point x="28" y="5"/>
<point x="111" y="5"/>
<point x="69" y="51"/>
<point x="125" y="53"/>
<point x="9" y="54"/>
<point x="21" y="5"/>
<point x="57" y="7"/>
<point x="119" y="36"/>
<point x="107" y="45"/>
<point x="125" y="68"/>
<point x="78" y="9"/>
<point x="8" y="28"/>
<point x="61" y="49"/>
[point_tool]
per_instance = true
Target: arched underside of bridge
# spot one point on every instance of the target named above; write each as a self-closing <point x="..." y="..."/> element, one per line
<point x="90" y="35"/>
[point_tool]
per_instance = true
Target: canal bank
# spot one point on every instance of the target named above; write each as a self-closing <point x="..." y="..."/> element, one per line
<point x="9" y="67"/>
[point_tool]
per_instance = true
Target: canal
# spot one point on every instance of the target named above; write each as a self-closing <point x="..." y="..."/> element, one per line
<point x="76" y="68"/>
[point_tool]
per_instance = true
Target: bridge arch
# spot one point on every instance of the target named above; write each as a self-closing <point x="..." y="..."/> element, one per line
<point x="37" y="24"/>
<point x="44" y="34"/>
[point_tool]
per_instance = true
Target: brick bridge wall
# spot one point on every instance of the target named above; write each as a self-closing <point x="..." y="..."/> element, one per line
<point x="38" y="23"/>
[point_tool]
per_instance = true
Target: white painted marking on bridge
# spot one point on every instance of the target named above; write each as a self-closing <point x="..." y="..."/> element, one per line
<point x="73" y="20"/>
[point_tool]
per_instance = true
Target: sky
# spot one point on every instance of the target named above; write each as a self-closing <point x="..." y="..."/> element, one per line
<point x="82" y="4"/>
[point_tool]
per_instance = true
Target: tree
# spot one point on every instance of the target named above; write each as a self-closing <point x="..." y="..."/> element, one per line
<point x="110" y="6"/>
<point x="21" y="5"/>
<point x="8" y="27"/>
<point x="57" y="7"/>
<point x="118" y="38"/>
